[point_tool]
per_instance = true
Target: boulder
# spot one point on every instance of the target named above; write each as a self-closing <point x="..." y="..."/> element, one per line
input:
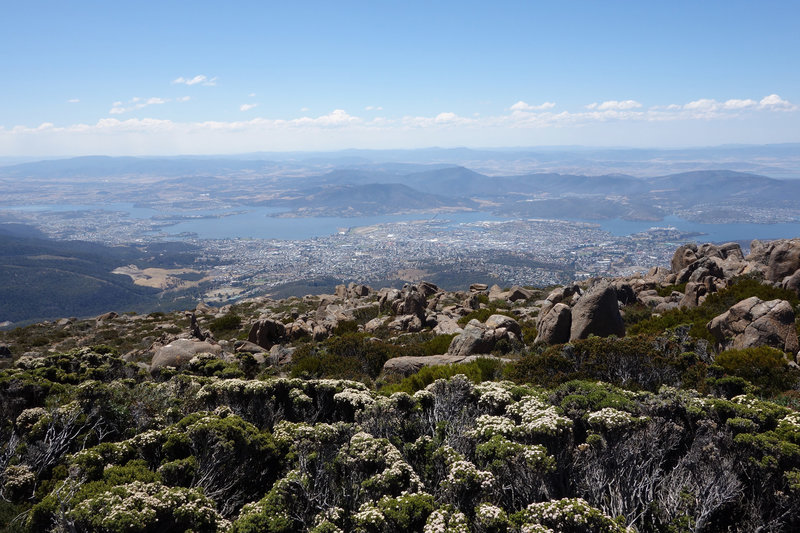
<point x="597" y="313"/>
<point x="518" y="293"/>
<point x="5" y="351"/>
<point x="684" y="256"/>
<point x="731" y="250"/>
<point x="475" y="339"/>
<point x="266" y="332"/>
<point x="355" y="290"/>
<point x="753" y="322"/>
<point x="247" y="347"/>
<point x="412" y="302"/>
<point x="472" y="302"/>
<point x="446" y="326"/>
<point x="427" y="289"/>
<point x="700" y="269"/>
<point x="478" y="287"/>
<point x="784" y="260"/>
<point x="180" y="351"/>
<point x="792" y="282"/>
<point x="554" y="328"/>
<point x="625" y="292"/>
<point x="504" y="322"/>
<point x="203" y="308"/>
<point x="111" y="315"/>
<point x="410" y="323"/>
<point x="281" y="355"/>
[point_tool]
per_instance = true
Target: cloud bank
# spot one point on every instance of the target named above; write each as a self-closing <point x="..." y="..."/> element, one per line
<point x="522" y="123"/>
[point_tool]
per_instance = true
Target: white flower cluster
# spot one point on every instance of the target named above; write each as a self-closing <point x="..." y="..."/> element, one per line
<point x="747" y="400"/>
<point x="790" y="421"/>
<point x="18" y="479"/>
<point x="538" y="418"/>
<point x="610" y="419"/>
<point x="28" y="418"/>
<point x="366" y="449"/>
<point x="487" y="426"/>
<point x="299" y="433"/>
<point x="300" y="400"/>
<point x="490" y="516"/>
<point x="133" y="506"/>
<point x="424" y="397"/>
<point x="535" y="528"/>
<point x="464" y="473"/>
<point x="494" y="395"/>
<point x="442" y="521"/>
<point x="355" y="399"/>
<point x="146" y="439"/>
<point x="26" y="362"/>
<point x="369" y="516"/>
<point x="571" y="514"/>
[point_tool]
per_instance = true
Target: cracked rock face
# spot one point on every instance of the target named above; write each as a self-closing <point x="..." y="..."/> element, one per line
<point x="753" y="322"/>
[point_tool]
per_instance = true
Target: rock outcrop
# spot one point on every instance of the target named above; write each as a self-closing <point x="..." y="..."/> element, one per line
<point x="554" y="327"/>
<point x="266" y="333"/>
<point x="478" y="338"/>
<point x="753" y="322"/>
<point x="597" y="313"/>
<point x="180" y="351"/>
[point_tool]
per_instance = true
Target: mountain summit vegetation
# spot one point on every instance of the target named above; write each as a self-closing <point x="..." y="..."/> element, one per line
<point x="664" y="402"/>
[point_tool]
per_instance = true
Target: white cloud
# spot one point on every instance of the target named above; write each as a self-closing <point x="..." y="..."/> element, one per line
<point x="524" y="106"/>
<point x="619" y="105"/>
<point x="252" y="95"/>
<point x="119" y="108"/>
<point x="247" y="107"/>
<point x="519" y="124"/>
<point x="73" y="100"/>
<point x="776" y="103"/>
<point x="199" y="79"/>
<point x="711" y="108"/>
<point x="183" y="99"/>
<point x="373" y="108"/>
<point x="304" y="109"/>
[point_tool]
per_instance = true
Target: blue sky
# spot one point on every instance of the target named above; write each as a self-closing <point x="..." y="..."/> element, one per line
<point x="212" y="77"/>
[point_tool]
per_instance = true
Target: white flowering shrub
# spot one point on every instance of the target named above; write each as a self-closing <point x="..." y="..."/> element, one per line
<point x="610" y="419"/>
<point x="569" y="515"/>
<point x="17" y="482"/>
<point x="490" y="519"/>
<point x="494" y="396"/>
<point x="148" y="507"/>
<point x="380" y="465"/>
<point x="538" y="420"/>
<point x="446" y="520"/>
<point x="487" y="426"/>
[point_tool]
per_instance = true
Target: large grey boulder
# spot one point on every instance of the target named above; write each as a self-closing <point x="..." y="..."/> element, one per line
<point x="597" y="313"/>
<point x="518" y="293"/>
<point x="505" y="323"/>
<point x="475" y="339"/>
<point x="784" y="260"/>
<point x="684" y="256"/>
<point x="554" y="327"/>
<point x="180" y="351"/>
<point x="266" y="332"/>
<point x="792" y="282"/>
<point x="753" y="322"/>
